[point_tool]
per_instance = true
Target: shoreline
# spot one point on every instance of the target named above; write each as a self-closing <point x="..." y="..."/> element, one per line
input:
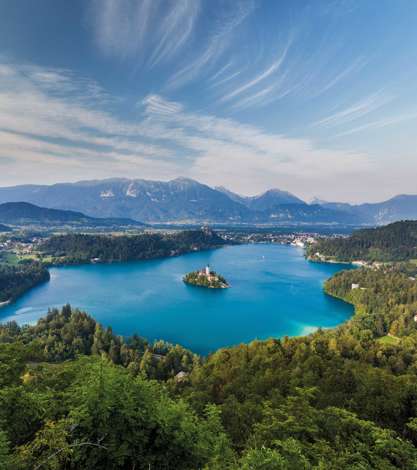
<point x="330" y="261"/>
<point x="205" y="287"/>
<point x="10" y="301"/>
<point x="89" y="262"/>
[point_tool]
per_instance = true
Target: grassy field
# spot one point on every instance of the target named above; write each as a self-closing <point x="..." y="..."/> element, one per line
<point x="6" y="257"/>
<point x="389" y="339"/>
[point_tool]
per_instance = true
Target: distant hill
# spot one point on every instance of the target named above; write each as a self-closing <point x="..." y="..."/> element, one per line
<point x="271" y="199"/>
<point x="23" y="213"/>
<point x="184" y="200"/>
<point x="403" y="207"/>
<point x="394" y="242"/>
<point x="265" y="201"/>
<point x="82" y="248"/>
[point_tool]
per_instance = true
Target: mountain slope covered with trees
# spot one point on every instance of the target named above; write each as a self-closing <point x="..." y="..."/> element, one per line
<point x="23" y="213"/>
<point x="341" y="398"/>
<point x="394" y="242"/>
<point x="80" y="248"/>
<point x="17" y="279"/>
<point x="75" y="395"/>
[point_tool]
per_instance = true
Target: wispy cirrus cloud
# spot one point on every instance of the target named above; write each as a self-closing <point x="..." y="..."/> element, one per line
<point x="198" y="41"/>
<point x="43" y="130"/>
<point x="379" y="124"/>
<point x="51" y="138"/>
<point x="156" y="105"/>
<point x="221" y="71"/>
<point x="350" y="69"/>
<point x="261" y="77"/>
<point x="225" y="79"/>
<point x="243" y="156"/>
<point x="216" y="44"/>
<point x="357" y="110"/>
<point x="175" y="29"/>
<point x="153" y="30"/>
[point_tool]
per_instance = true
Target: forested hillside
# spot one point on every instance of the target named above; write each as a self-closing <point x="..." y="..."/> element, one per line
<point x="24" y="213"/>
<point x="90" y="414"/>
<point x="312" y="400"/>
<point x="63" y="335"/>
<point x="17" y="279"/>
<point x="394" y="242"/>
<point x="74" y="395"/>
<point x="78" y="248"/>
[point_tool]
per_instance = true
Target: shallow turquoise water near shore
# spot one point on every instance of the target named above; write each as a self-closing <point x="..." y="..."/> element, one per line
<point x="274" y="292"/>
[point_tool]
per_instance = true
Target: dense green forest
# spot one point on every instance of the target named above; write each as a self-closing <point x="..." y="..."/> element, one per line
<point x="394" y="242"/>
<point x="78" y="248"/>
<point x="74" y="395"/>
<point x="17" y="279"/>
<point x="65" y="334"/>
<point x="91" y="414"/>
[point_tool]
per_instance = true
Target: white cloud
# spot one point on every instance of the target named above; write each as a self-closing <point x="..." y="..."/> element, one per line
<point x="273" y="68"/>
<point x="357" y="110"/>
<point x="175" y="29"/>
<point x="223" y="80"/>
<point x="216" y="43"/>
<point x="157" y="29"/>
<point x="53" y="138"/>
<point x="378" y="124"/>
<point x="156" y="105"/>
<point x="221" y="70"/>
<point x="248" y="159"/>
<point x="355" y="66"/>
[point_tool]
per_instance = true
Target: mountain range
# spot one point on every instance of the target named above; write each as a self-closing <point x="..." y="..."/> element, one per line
<point x="24" y="213"/>
<point x="184" y="200"/>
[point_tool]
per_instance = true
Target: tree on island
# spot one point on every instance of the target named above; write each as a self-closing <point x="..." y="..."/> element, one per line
<point x="206" y="278"/>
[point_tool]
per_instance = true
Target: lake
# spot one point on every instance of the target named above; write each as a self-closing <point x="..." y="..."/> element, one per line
<point x="274" y="292"/>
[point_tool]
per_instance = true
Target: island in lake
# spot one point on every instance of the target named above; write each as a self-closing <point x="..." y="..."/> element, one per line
<point x="206" y="278"/>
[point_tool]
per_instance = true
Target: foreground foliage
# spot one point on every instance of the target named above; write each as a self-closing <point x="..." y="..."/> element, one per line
<point x="336" y="399"/>
<point x="91" y="414"/>
<point x="68" y="333"/>
<point x="74" y="395"/>
<point x="339" y="398"/>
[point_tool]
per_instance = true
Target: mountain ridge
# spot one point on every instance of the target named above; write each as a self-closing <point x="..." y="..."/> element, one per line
<point x="24" y="213"/>
<point x="184" y="200"/>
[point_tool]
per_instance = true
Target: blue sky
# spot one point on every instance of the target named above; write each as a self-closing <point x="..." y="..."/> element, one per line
<point x="315" y="97"/>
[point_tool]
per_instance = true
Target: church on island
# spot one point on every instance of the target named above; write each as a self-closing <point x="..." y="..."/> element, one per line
<point x="206" y="278"/>
<point x="206" y="272"/>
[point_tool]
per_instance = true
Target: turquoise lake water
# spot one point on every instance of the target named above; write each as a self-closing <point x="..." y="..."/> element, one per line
<point x="274" y="292"/>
